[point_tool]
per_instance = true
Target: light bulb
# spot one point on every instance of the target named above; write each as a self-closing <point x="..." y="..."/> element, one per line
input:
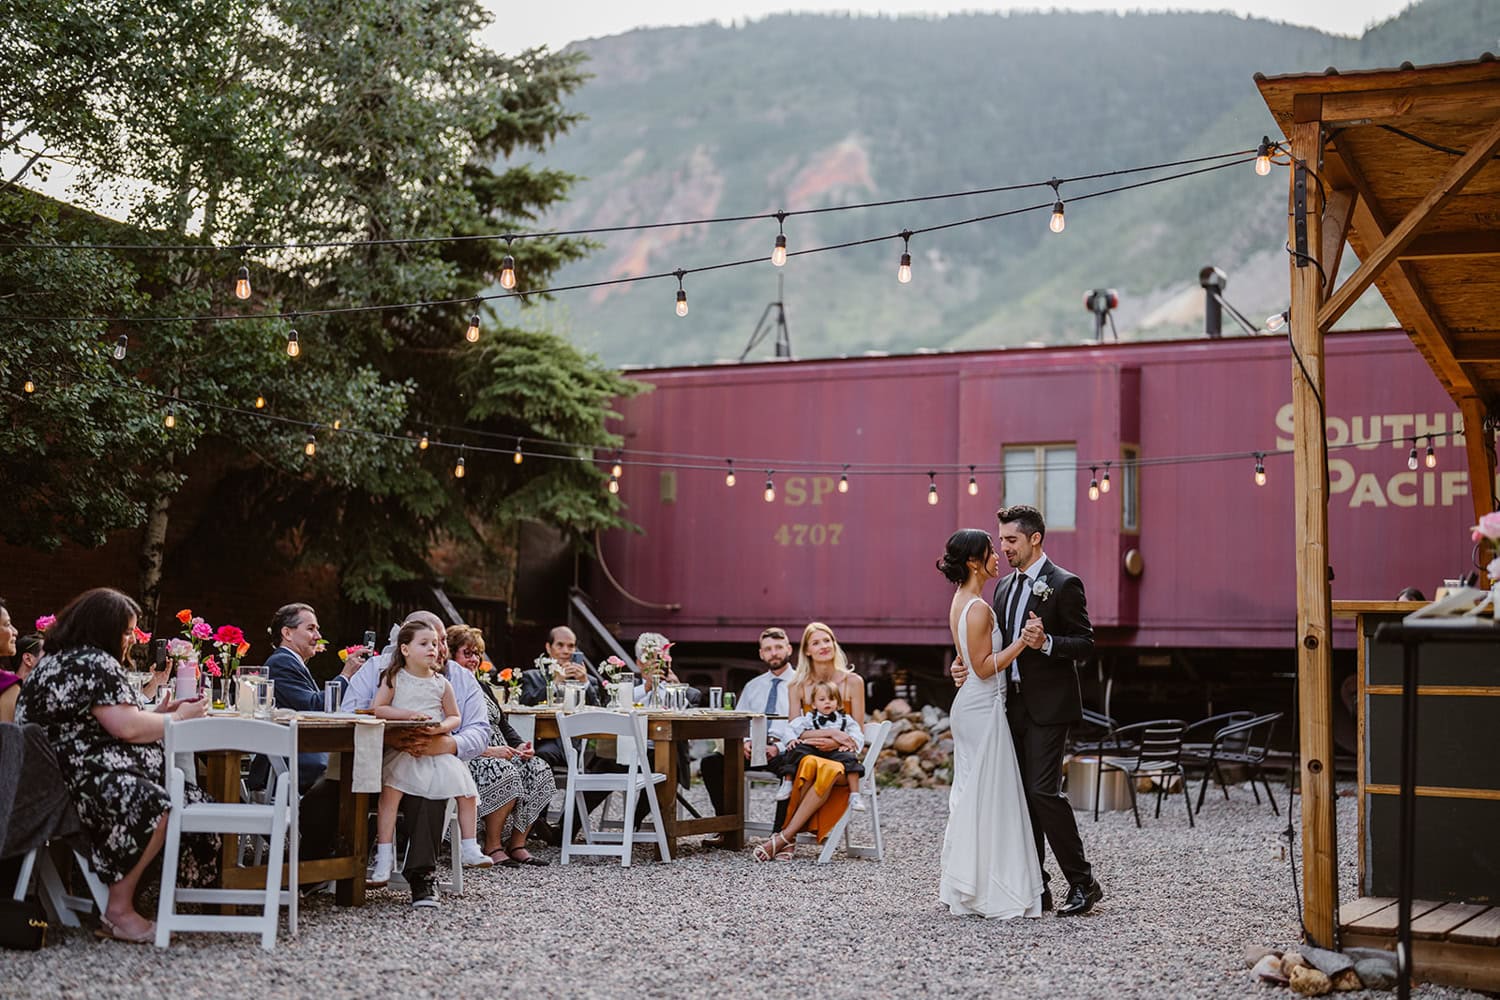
<point x="29" y="386"/>
<point x="260" y="402"/>
<point x="932" y="496"/>
<point x="170" y="420"/>
<point x="1276" y="322"/>
<point x="778" y="255"/>
<point x="1058" y="222"/>
<point x="1411" y="459"/>
<point x="338" y="423"/>
<point x="729" y="476"/>
<point x="518" y="458"/>
<point x="472" y="333"/>
<point x="120" y="347"/>
<point x="293" y="349"/>
<point x="681" y="302"/>
<point x="1263" y="157"/>
<point x="242" y="284"/>
<point x="1104" y="483"/>
<point x="973" y="487"/>
<point x="311" y="447"/>
<point x="508" y="272"/>
<point x="843" y="484"/>
<point x="617" y="470"/>
<point x="770" y="493"/>
<point x="1093" y="489"/>
<point x="614" y="485"/>
<point x="458" y="470"/>
<point x="903" y="273"/>
<point x="1260" y="471"/>
<point x="1431" y="458"/>
<point x="422" y="444"/>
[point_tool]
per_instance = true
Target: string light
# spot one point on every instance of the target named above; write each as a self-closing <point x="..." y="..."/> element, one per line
<point x="28" y="387"/>
<point x="1431" y="456"/>
<point x="121" y="345"/>
<point x="1057" y="222"/>
<point x="516" y="456"/>
<point x="311" y="447"/>
<point x="729" y="476"/>
<point x="293" y="349"/>
<point x="618" y="469"/>
<point x="903" y="272"/>
<point x="682" y="308"/>
<point x="507" y="268"/>
<point x="1411" y="458"/>
<point x="338" y="423"/>
<point x="614" y="483"/>
<point x="1104" y="483"/>
<point x="1260" y="468"/>
<point x="973" y="483"/>
<point x="844" y="481"/>
<point x="932" y="496"/>
<point x="770" y="493"/>
<point x="422" y="444"/>
<point x="778" y="254"/>
<point x="1093" y="482"/>
<point x="170" y="420"/>
<point x="472" y="333"/>
<point x="242" y="284"/>
<point x="1276" y="322"/>
<point x="458" y="469"/>
<point x="260" y="402"/>
<point x="1263" y="156"/>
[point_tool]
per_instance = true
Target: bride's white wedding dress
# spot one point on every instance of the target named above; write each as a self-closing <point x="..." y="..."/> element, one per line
<point x="989" y="856"/>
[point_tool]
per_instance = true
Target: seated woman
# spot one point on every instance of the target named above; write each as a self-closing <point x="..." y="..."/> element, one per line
<point x="515" y="785"/>
<point x="29" y="652"/>
<point x="10" y="681"/>
<point x="109" y="749"/>
<point x="820" y="790"/>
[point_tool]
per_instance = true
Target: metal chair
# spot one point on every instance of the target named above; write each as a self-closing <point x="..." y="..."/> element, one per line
<point x="1095" y="735"/>
<point x="1242" y="743"/>
<point x="1158" y="754"/>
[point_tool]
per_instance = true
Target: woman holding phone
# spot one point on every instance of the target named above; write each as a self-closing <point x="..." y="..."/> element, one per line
<point x="108" y="746"/>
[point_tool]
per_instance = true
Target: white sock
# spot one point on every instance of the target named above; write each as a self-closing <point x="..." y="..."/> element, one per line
<point x="469" y="842"/>
<point x="385" y="850"/>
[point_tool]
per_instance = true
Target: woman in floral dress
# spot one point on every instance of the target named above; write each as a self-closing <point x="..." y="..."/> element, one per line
<point x="515" y="786"/>
<point x="109" y="748"/>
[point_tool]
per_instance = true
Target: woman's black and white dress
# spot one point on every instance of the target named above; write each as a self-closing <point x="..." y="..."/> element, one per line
<point x="117" y="787"/>
<point x="530" y="782"/>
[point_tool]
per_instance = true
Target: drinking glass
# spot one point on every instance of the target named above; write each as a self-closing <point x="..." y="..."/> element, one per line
<point x="265" y="697"/>
<point x="728" y="700"/>
<point x="333" y="696"/>
<point x="715" y="697"/>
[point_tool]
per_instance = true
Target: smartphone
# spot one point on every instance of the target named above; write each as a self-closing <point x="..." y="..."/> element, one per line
<point x="159" y="653"/>
<point x="369" y="639"/>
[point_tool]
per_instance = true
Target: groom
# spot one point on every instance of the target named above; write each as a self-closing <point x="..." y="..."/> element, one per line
<point x="1042" y="695"/>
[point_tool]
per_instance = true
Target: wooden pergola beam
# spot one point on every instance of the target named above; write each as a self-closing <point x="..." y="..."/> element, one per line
<point x="1438" y="246"/>
<point x="1479" y="443"/>
<point x="1364" y="107"/>
<point x="1452" y="182"/>
<point x="1485" y="352"/>
<point x="1338" y="215"/>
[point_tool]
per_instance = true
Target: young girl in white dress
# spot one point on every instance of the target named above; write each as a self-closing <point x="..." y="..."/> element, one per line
<point x="989" y="865"/>
<point x="411" y="688"/>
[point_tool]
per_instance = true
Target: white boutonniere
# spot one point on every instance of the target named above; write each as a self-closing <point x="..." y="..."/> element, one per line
<point x="1041" y="590"/>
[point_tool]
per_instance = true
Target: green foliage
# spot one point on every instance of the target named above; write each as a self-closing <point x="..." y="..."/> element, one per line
<point x="306" y="121"/>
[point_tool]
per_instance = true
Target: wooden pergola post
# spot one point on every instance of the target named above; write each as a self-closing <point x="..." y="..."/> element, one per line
<point x="1310" y="490"/>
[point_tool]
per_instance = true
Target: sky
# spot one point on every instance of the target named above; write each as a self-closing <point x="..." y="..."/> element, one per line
<point x="558" y="22"/>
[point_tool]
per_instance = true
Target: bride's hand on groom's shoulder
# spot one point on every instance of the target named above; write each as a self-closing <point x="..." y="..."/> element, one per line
<point x="959" y="671"/>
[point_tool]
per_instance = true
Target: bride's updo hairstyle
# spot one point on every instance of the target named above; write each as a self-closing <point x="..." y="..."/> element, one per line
<point x="963" y="545"/>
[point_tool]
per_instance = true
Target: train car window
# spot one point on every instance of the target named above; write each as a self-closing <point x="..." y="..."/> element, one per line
<point x="1130" y="489"/>
<point x="1044" y="475"/>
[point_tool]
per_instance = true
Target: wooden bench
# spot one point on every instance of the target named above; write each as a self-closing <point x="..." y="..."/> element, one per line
<point x="1456" y="944"/>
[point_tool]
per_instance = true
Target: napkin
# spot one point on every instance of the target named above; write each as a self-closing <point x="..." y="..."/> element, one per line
<point x="625" y="748"/>
<point x="369" y="755"/>
<point x="758" y="741"/>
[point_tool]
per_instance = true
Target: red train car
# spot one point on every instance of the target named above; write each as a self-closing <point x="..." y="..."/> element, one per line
<point x="1177" y="556"/>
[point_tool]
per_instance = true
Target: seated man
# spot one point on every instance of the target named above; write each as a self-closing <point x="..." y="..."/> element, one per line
<point x="562" y="646"/>
<point x="423" y="818"/>
<point x="765" y="693"/>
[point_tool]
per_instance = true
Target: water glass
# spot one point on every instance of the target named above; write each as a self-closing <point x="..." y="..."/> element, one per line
<point x="333" y="696"/>
<point x="265" y="697"/>
<point x="715" y="697"/>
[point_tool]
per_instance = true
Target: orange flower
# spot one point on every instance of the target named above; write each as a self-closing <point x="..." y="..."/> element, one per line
<point x="185" y="615"/>
<point x="505" y="675"/>
<point x="486" y="666"/>
<point x="242" y="649"/>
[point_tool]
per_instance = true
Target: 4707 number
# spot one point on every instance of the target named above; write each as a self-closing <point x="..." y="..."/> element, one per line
<point x="808" y="534"/>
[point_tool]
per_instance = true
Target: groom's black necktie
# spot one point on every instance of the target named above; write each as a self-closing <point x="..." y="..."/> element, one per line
<point x="1013" y="605"/>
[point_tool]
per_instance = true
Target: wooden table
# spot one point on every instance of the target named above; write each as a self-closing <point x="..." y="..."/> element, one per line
<point x="352" y="845"/>
<point x="668" y="729"/>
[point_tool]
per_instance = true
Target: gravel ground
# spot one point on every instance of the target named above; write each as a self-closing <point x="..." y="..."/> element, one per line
<point x="1181" y="906"/>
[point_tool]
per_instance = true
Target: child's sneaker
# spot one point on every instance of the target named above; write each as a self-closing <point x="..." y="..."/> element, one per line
<point x="857" y="801"/>
<point x="785" y="791"/>
<point x="380" y="874"/>
<point x="474" y="857"/>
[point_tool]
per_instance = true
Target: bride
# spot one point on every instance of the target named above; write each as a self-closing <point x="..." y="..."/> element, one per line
<point x="989" y="857"/>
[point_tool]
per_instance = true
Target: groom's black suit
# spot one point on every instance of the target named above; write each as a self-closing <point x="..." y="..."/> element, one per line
<point x="1045" y="703"/>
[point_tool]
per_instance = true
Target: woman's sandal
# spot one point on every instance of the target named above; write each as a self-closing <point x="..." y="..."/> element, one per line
<point x="107" y="931"/>
<point x="502" y="859"/>
<point x="530" y="859"/>
<point x="788" y="852"/>
<point x="770" y="852"/>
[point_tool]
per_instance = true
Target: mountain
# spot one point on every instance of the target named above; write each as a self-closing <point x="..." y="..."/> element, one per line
<point x="810" y="111"/>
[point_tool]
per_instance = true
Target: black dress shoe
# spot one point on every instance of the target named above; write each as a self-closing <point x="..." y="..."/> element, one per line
<point x="1081" y="899"/>
<point x="1046" y="900"/>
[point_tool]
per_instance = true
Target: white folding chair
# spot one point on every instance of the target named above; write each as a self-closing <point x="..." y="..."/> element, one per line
<point x="59" y="904"/>
<point x="755" y="826"/>
<point x="875" y="737"/>
<point x="276" y="819"/>
<point x="636" y="780"/>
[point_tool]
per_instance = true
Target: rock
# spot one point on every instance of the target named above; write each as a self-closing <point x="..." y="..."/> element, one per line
<point x="1377" y="973"/>
<point x="888" y="765"/>
<point x="900" y="726"/>
<point x="939" y="727"/>
<point x="1268" y="968"/>
<point x="1293" y="960"/>
<point x="932" y="715"/>
<point x="1346" y="981"/>
<point x="1330" y="963"/>
<point x="928" y="765"/>
<point x="1310" y="982"/>
<point x="912" y="741"/>
<point x="911" y="768"/>
<point x="945" y="745"/>
<point x="1255" y="952"/>
<point x="897" y="708"/>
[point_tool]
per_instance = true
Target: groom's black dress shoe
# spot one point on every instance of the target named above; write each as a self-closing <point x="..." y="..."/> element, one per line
<point x="1081" y="899"/>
